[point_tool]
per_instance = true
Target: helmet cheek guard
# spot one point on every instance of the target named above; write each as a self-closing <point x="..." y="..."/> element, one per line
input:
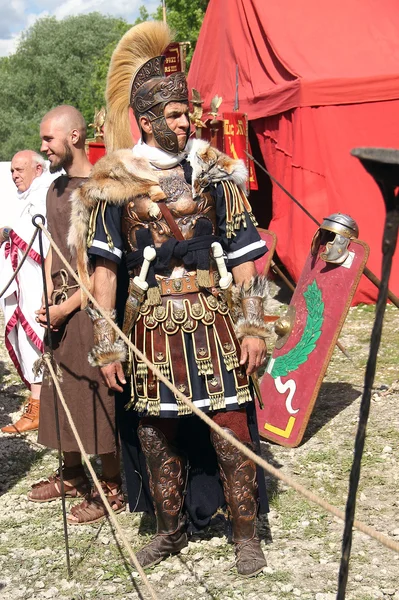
<point x="336" y="251"/>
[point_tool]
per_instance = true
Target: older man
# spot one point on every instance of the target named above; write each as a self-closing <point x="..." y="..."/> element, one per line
<point x="23" y="335"/>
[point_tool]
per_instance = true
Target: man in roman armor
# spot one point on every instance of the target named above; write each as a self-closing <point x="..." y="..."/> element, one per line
<point x="167" y="207"/>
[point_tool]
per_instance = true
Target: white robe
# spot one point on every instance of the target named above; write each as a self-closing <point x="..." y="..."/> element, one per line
<point x="23" y="335"/>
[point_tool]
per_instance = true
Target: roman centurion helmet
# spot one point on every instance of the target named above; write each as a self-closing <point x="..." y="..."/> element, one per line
<point x="335" y="233"/>
<point x="136" y="78"/>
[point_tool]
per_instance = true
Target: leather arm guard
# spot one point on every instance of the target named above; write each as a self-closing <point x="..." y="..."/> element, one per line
<point x="249" y="304"/>
<point x="107" y="347"/>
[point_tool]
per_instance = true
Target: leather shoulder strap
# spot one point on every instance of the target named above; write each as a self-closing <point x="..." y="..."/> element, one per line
<point x="167" y="215"/>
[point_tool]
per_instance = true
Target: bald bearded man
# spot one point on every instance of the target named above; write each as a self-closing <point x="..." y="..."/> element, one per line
<point x="63" y="133"/>
<point x="23" y="336"/>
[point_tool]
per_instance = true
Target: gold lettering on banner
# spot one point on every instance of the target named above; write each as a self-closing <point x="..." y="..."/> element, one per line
<point x="240" y="128"/>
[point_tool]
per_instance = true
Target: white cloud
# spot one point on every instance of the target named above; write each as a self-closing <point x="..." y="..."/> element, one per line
<point x="12" y="17"/>
<point x="8" y="46"/>
<point x="18" y="15"/>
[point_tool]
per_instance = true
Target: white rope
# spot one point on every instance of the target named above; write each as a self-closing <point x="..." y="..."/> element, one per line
<point x="97" y="482"/>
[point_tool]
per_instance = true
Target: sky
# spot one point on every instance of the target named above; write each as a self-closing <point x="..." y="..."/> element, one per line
<point x="18" y="15"/>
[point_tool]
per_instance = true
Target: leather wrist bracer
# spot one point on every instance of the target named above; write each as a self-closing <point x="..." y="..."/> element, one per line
<point x="249" y="304"/>
<point x="107" y="347"/>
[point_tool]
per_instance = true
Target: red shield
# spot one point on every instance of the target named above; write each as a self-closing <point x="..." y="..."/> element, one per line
<point x="299" y="361"/>
<point x="263" y="263"/>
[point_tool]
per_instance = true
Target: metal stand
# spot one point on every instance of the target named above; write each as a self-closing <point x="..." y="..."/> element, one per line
<point x="383" y="165"/>
<point x="35" y="221"/>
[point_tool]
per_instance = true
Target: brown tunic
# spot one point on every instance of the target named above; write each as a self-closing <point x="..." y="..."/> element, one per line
<point x="92" y="406"/>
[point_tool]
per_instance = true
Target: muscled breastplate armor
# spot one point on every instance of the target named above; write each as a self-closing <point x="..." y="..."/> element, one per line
<point x="139" y="211"/>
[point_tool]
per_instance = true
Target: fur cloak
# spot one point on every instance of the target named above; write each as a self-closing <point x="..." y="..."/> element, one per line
<point x="120" y="176"/>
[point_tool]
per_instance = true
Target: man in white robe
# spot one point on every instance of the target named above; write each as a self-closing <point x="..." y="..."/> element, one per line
<point x="23" y="335"/>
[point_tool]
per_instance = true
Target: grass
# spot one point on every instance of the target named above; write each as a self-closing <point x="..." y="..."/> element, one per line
<point x="322" y="463"/>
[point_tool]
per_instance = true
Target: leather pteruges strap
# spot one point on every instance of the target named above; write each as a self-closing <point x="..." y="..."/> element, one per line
<point x="167" y="215"/>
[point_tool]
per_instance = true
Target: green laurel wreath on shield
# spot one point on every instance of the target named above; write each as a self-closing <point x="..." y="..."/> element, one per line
<point x="299" y="354"/>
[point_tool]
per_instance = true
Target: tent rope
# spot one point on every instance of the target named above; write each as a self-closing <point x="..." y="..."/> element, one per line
<point x="24" y="257"/>
<point x="96" y="481"/>
<point x="366" y="271"/>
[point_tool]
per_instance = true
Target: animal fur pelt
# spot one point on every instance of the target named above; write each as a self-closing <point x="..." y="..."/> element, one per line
<point x="250" y="325"/>
<point x="119" y="176"/>
<point x="115" y="178"/>
<point x="212" y="166"/>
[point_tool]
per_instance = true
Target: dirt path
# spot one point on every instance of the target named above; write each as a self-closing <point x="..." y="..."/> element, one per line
<point x="302" y="543"/>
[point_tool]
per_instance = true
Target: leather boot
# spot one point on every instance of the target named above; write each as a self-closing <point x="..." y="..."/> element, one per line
<point x="29" y="420"/>
<point x="238" y="475"/>
<point x="167" y="476"/>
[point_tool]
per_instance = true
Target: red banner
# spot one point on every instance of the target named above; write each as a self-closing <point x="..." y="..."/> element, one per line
<point x="95" y="150"/>
<point x="172" y="59"/>
<point x="236" y="142"/>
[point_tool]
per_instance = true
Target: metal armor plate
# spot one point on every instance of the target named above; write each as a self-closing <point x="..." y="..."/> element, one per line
<point x="297" y="366"/>
<point x="139" y="211"/>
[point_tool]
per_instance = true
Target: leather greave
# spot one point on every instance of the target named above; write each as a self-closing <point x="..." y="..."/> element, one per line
<point x="167" y="478"/>
<point x="238" y="475"/>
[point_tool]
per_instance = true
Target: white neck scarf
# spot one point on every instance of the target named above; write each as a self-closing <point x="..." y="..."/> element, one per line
<point x="159" y="158"/>
<point x="35" y="185"/>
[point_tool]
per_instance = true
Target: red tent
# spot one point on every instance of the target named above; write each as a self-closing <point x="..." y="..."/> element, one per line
<point x="316" y="80"/>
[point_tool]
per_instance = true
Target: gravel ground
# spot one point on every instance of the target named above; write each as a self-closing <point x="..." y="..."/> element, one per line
<point x="302" y="543"/>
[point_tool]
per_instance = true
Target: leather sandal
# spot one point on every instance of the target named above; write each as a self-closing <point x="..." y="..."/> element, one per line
<point x="92" y="509"/>
<point x="76" y="484"/>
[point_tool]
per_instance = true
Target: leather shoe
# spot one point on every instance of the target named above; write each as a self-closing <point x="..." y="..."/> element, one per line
<point x="160" y="547"/>
<point x="250" y="559"/>
<point x="29" y="420"/>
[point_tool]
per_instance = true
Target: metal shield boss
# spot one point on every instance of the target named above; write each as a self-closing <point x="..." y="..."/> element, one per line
<point x="307" y="333"/>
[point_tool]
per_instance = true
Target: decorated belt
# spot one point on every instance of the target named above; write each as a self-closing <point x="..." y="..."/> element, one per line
<point x="184" y="285"/>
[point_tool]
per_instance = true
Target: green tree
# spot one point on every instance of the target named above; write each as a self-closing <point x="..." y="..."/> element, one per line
<point x="66" y="62"/>
<point x="56" y="62"/>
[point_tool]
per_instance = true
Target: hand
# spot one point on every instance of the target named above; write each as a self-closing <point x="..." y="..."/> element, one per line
<point x="4" y="234"/>
<point x="57" y="316"/>
<point x="113" y="375"/>
<point x="50" y="290"/>
<point x="253" y="352"/>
